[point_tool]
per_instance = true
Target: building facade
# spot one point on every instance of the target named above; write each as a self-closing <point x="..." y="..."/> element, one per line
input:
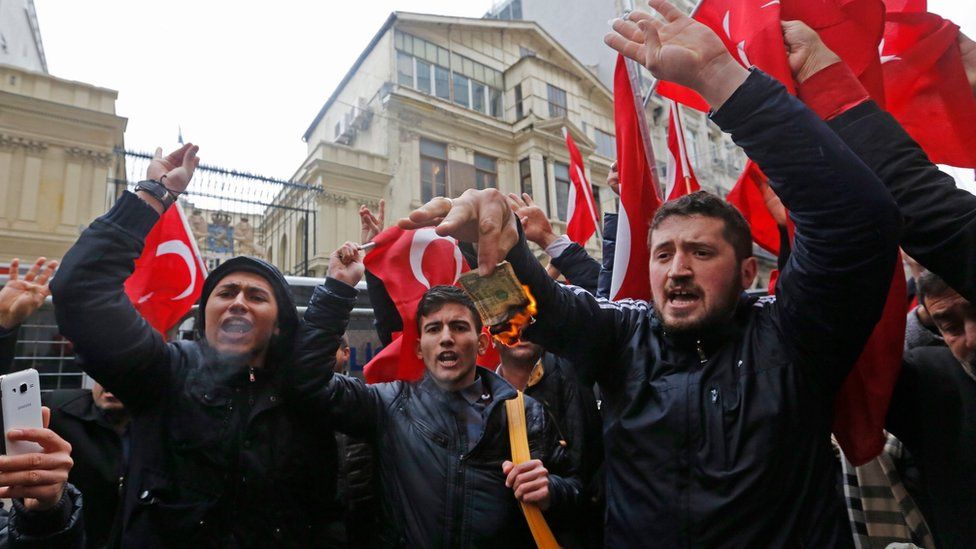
<point x="437" y="105"/>
<point x="20" y="36"/>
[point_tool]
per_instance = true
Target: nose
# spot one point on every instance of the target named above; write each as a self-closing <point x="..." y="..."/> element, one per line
<point x="679" y="267"/>
<point x="446" y="337"/>
<point x="239" y="305"/>
<point x="970" y="336"/>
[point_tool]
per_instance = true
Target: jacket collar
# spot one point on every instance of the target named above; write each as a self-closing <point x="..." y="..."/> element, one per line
<point x="711" y="338"/>
<point x="83" y="407"/>
<point x="500" y="389"/>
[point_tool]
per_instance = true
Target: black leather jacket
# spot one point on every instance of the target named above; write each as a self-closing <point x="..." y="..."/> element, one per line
<point x="215" y="458"/>
<point x="57" y="528"/>
<point x="435" y="492"/>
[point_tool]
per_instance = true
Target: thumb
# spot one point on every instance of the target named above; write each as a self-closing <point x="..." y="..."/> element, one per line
<point x="159" y="154"/>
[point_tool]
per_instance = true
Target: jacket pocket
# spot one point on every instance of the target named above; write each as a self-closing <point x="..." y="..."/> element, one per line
<point x="179" y="516"/>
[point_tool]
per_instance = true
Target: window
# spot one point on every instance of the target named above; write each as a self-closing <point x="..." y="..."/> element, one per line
<point x="423" y="76"/>
<point x="597" y="207"/>
<point x="442" y="83"/>
<point x="433" y="169"/>
<point x="485" y="172"/>
<point x="519" y="113"/>
<point x="404" y="69"/>
<point x="461" y="90"/>
<point x="478" y="101"/>
<point x="557" y="101"/>
<point x="606" y="143"/>
<point x="338" y="128"/>
<point x="694" y="153"/>
<point x="495" y="102"/>
<point x="561" y="172"/>
<point x="525" y="176"/>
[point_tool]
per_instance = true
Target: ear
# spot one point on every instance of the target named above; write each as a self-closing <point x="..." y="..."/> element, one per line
<point x="417" y="349"/>
<point x="484" y="341"/>
<point x="748" y="270"/>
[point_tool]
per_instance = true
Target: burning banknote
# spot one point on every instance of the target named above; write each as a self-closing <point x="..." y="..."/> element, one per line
<point x="505" y="305"/>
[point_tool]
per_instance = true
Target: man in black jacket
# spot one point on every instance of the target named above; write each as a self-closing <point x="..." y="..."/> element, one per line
<point x="442" y="443"/>
<point x="214" y="456"/>
<point x="718" y="409"/>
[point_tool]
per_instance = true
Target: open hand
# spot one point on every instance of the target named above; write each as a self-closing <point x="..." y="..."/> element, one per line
<point x="535" y="222"/>
<point x="346" y="264"/>
<point x="38" y="478"/>
<point x="372" y="225"/>
<point x="21" y="297"/>
<point x="530" y="481"/>
<point x="678" y="49"/>
<point x="483" y="217"/>
<point x="176" y="168"/>
<point x="968" y="49"/>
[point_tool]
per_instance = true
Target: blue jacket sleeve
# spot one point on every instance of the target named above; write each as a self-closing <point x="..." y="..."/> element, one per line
<point x="578" y="267"/>
<point x="120" y="350"/>
<point x="939" y="218"/>
<point x="833" y="288"/>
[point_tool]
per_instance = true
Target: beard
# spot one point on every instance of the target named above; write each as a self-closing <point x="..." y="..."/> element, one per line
<point x="725" y="304"/>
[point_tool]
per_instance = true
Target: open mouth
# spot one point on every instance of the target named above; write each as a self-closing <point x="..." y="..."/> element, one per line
<point x="448" y="359"/>
<point x="236" y="326"/>
<point x="683" y="297"/>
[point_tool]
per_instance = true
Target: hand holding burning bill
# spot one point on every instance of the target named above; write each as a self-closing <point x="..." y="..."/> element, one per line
<point x="506" y="306"/>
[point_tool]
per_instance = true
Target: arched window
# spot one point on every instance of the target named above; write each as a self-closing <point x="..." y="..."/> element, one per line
<point x="283" y="253"/>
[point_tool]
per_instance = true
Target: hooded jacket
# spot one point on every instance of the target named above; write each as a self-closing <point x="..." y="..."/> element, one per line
<point x="721" y="438"/>
<point x="215" y="459"/>
<point x="436" y="491"/>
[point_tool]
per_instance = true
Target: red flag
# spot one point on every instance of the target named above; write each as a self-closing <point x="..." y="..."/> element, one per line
<point x="928" y="92"/>
<point x="915" y="6"/>
<point x="852" y="29"/>
<point x="638" y="191"/>
<point x="681" y="178"/>
<point x="747" y="197"/>
<point x="581" y="209"/>
<point x="752" y="33"/>
<point x="169" y="274"/>
<point x="409" y="263"/>
<point x="862" y="403"/>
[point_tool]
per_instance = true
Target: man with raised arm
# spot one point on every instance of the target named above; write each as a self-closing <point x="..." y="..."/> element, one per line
<point x="718" y="408"/>
<point x="214" y="458"/>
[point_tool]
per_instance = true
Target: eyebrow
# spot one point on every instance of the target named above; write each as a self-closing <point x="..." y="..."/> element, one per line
<point x="238" y="286"/>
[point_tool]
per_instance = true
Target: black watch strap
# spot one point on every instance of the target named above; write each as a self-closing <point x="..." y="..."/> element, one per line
<point x="158" y="191"/>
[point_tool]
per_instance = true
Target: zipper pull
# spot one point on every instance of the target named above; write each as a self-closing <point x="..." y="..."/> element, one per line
<point x="250" y="371"/>
<point x="701" y="352"/>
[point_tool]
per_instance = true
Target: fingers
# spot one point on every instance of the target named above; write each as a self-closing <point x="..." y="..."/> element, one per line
<point x="175" y="158"/>
<point x="534" y="491"/>
<point x="427" y="215"/>
<point x="14" y="269"/>
<point x="668" y="11"/>
<point x="45" y="416"/>
<point x="348" y="253"/>
<point x="625" y="47"/>
<point x="47" y="272"/>
<point x="158" y="155"/>
<point x="48" y="439"/>
<point x="382" y="214"/>
<point x="36" y="476"/>
<point x="528" y="199"/>
<point x="190" y="160"/>
<point x="628" y="29"/>
<point x="652" y="40"/>
<point x="524" y="472"/>
<point x="493" y="220"/>
<point x="515" y="201"/>
<point x="35" y="269"/>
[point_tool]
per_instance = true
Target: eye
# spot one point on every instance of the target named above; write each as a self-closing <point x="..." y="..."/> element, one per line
<point x="703" y="253"/>
<point x="663" y="256"/>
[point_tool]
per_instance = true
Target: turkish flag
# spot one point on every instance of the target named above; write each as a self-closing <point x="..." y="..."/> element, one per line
<point x="927" y="89"/>
<point x="681" y="178"/>
<point x="752" y="33"/>
<point x="638" y="192"/>
<point x="169" y="275"/>
<point x="581" y="208"/>
<point x="747" y="197"/>
<point x="852" y="29"/>
<point x="916" y="6"/>
<point x="409" y="263"/>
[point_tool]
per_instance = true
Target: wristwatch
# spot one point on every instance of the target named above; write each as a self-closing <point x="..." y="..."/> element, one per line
<point x="158" y="191"/>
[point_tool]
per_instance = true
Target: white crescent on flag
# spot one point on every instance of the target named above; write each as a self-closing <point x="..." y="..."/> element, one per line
<point x="418" y="246"/>
<point x="181" y="249"/>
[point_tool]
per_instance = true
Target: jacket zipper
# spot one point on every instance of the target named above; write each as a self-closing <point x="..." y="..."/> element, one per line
<point x="250" y="371"/>
<point x="701" y="352"/>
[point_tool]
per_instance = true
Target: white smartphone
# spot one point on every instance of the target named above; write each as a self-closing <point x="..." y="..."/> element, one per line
<point x="21" y="406"/>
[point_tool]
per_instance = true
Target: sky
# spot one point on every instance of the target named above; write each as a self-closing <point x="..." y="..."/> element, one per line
<point x="242" y="79"/>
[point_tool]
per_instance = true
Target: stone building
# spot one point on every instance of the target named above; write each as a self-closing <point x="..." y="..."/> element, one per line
<point x="436" y="105"/>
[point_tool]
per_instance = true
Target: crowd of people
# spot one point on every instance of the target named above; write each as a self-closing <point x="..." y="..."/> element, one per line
<point x="700" y="418"/>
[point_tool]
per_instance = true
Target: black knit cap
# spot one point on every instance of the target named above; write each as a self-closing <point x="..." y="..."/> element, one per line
<point x="282" y="344"/>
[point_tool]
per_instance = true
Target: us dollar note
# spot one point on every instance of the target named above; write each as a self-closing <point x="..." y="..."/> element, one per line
<point x="498" y="296"/>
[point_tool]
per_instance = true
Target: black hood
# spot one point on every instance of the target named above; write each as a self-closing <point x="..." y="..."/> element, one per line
<point x="282" y="344"/>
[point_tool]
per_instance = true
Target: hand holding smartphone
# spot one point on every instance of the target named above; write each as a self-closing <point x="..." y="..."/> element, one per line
<point x="20" y="402"/>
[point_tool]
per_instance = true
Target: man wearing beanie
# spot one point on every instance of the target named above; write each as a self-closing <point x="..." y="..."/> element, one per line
<point x="214" y="457"/>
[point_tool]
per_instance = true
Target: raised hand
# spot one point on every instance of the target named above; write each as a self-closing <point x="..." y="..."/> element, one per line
<point x="529" y="481"/>
<point x="21" y="297"/>
<point x="176" y="168"/>
<point x="807" y="53"/>
<point x="483" y="217"/>
<point x="38" y="478"/>
<point x="968" y="49"/>
<point x="372" y="225"/>
<point x="678" y="49"/>
<point x="535" y="222"/>
<point x="346" y="264"/>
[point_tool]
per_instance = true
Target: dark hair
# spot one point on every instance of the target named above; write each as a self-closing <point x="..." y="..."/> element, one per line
<point x="931" y="285"/>
<point x="438" y="296"/>
<point x="736" y="230"/>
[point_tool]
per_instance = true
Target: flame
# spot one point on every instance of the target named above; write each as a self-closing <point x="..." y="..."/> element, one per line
<point x="512" y="330"/>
